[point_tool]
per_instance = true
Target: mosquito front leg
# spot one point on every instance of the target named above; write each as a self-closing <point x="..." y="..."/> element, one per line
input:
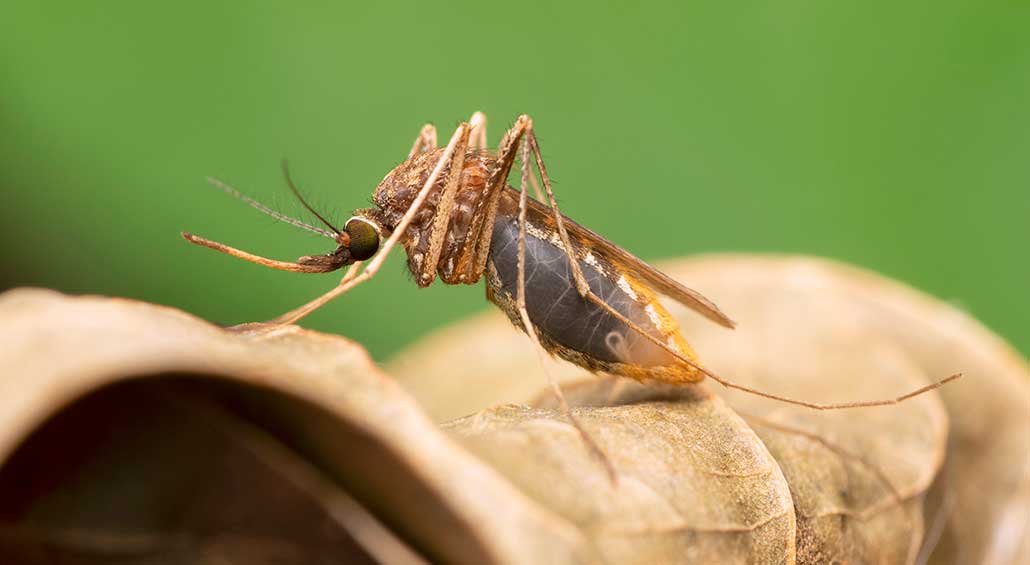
<point x="350" y="281"/>
<point x="527" y="324"/>
<point x="345" y="284"/>
<point x="477" y="140"/>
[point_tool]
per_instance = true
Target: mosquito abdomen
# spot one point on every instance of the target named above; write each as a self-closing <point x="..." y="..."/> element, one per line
<point x="571" y="326"/>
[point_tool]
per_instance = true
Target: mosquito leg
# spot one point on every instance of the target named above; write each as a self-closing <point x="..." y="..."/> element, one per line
<point x="730" y="384"/>
<point x="536" y="188"/>
<point x="577" y="274"/>
<point x="478" y="135"/>
<point x="471" y="260"/>
<point x="483" y="231"/>
<point x="527" y="324"/>
<point x="345" y="284"/>
<point x="372" y="268"/>
<point x="425" y="141"/>
<point x="584" y="290"/>
<point x="438" y="232"/>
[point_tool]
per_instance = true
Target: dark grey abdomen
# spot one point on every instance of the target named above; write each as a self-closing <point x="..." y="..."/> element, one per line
<point x="556" y="308"/>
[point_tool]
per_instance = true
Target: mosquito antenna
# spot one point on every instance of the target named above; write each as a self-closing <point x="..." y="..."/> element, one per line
<point x="265" y="209"/>
<point x="296" y="192"/>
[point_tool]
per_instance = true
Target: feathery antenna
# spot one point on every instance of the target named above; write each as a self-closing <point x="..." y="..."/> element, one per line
<point x="296" y="192"/>
<point x="277" y="215"/>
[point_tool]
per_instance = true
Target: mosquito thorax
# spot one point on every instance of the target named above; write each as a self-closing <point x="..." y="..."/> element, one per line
<point x="398" y="190"/>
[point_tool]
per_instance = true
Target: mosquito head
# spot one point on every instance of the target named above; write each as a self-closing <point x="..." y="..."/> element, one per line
<point x="358" y="241"/>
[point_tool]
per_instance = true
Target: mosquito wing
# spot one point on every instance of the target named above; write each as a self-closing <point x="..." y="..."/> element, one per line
<point x="664" y="284"/>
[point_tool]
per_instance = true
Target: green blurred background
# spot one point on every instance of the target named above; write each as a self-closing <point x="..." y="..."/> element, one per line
<point x="893" y="136"/>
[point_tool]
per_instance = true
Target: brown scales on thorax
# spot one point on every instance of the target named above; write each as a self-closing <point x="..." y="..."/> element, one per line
<point x="398" y="190"/>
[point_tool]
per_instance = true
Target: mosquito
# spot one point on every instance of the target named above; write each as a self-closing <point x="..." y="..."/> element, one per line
<point x="575" y="294"/>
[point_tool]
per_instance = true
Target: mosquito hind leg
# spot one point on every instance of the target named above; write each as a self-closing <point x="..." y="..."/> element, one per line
<point x="425" y="141"/>
<point x="527" y="324"/>
<point x="477" y="134"/>
<point x="352" y="278"/>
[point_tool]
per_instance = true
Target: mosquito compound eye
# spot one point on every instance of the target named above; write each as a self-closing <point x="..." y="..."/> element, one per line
<point x="364" y="238"/>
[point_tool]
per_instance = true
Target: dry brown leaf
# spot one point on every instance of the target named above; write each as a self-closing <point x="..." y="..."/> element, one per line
<point x="171" y="440"/>
<point x="820" y="331"/>
<point x="694" y="485"/>
<point x="135" y="432"/>
<point x="985" y="483"/>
